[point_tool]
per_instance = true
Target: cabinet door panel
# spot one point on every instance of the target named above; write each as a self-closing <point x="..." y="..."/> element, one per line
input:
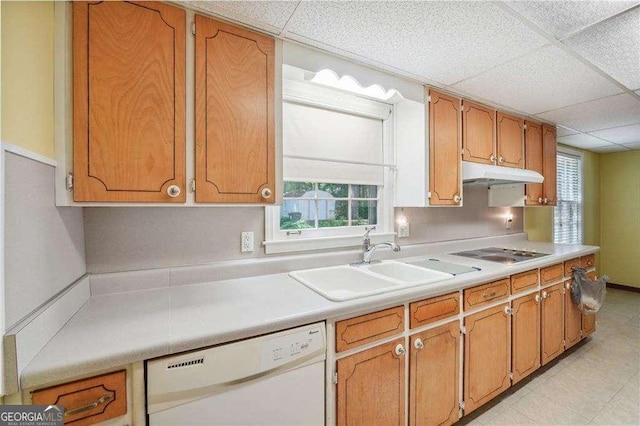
<point x="510" y="140"/>
<point x="371" y="387"/>
<point x="433" y="376"/>
<point x="572" y="319"/>
<point x="589" y="321"/>
<point x="487" y="356"/>
<point x="478" y="133"/>
<point x="235" y="124"/>
<point x="525" y="345"/>
<point x="129" y="94"/>
<point x="549" y="164"/>
<point x="552" y="322"/>
<point x="534" y="159"/>
<point x="444" y="149"/>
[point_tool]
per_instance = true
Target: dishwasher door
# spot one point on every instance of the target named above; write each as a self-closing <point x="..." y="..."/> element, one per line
<point x="277" y="379"/>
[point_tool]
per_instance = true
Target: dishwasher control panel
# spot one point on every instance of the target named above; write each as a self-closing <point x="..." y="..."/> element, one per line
<point x="285" y="347"/>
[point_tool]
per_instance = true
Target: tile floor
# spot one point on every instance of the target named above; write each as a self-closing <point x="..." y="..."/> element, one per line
<point x="596" y="382"/>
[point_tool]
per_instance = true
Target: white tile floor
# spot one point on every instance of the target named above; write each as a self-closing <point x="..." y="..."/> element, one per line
<point x="596" y="382"/>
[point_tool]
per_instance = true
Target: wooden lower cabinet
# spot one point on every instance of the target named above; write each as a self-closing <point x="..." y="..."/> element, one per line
<point x="434" y="364"/>
<point x="487" y="355"/>
<point x="371" y="386"/>
<point x="589" y="321"/>
<point x="552" y="323"/>
<point x="572" y="319"/>
<point x="525" y="340"/>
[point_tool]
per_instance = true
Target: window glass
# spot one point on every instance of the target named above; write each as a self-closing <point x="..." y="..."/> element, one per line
<point x="568" y="214"/>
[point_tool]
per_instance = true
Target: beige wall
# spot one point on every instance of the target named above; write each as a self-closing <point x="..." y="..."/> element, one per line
<point x="27" y="76"/>
<point x="620" y="219"/>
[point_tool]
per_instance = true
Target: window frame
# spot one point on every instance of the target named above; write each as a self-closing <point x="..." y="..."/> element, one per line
<point x="286" y="241"/>
<point x="580" y="156"/>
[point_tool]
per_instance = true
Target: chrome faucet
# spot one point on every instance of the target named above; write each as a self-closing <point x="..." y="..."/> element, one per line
<point x="368" y="249"/>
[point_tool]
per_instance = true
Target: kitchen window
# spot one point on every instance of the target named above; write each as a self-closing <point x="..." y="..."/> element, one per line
<point x="337" y="147"/>
<point x="568" y="214"/>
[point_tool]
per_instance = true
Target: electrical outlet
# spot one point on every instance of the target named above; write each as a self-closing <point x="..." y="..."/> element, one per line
<point x="403" y="231"/>
<point x="247" y="242"/>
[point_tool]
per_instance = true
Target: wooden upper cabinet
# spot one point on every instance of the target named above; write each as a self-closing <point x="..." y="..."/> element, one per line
<point x="510" y="140"/>
<point x="434" y="365"/>
<point x="478" y="133"/>
<point x="128" y="102"/>
<point x="534" y="157"/>
<point x="235" y="121"/>
<point x="549" y="164"/>
<point x="445" y="182"/>
<point x="371" y="386"/>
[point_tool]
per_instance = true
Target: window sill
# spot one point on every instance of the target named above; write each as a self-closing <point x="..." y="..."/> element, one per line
<point x="321" y="243"/>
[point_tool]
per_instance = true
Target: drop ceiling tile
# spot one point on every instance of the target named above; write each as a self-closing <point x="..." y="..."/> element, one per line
<point x="614" y="47"/>
<point x="622" y="135"/>
<point x="561" y="18"/>
<point x="267" y="15"/>
<point x="582" y="140"/>
<point x="542" y="80"/>
<point x="609" y="148"/>
<point x="605" y="113"/>
<point x="440" y="41"/>
<point x="633" y="145"/>
<point x="563" y="131"/>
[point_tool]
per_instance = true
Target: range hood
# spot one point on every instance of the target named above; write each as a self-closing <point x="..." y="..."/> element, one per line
<point x="484" y="174"/>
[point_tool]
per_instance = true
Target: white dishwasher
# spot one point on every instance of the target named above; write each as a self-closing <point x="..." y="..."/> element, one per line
<point x="276" y="379"/>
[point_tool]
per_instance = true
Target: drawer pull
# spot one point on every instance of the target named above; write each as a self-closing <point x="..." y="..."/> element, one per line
<point x="490" y="295"/>
<point x="103" y="400"/>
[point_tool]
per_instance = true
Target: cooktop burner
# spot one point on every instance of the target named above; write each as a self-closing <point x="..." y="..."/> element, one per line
<point x="501" y="255"/>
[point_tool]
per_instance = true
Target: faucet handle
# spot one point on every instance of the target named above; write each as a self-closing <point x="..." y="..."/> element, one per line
<point x="367" y="231"/>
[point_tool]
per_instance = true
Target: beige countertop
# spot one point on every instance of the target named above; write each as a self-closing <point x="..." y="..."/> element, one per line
<point x="113" y="330"/>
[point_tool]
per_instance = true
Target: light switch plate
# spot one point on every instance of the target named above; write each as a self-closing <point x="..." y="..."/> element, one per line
<point x="246" y="242"/>
<point x="403" y="231"/>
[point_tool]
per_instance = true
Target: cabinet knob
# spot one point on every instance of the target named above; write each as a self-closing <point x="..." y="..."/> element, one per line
<point x="501" y="159"/>
<point x="546" y="200"/>
<point x="418" y="344"/>
<point x="568" y="286"/>
<point x="266" y="193"/>
<point x="173" y="191"/>
<point x="537" y="299"/>
<point x="508" y="310"/>
<point x="545" y="295"/>
<point x="540" y="200"/>
<point x="400" y="350"/>
<point x="457" y="199"/>
<point x="493" y="158"/>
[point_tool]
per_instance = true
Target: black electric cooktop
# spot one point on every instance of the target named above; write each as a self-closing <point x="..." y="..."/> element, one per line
<point x="501" y="255"/>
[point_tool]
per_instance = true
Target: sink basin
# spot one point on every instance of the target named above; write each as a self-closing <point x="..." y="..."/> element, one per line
<point x="345" y="282"/>
<point x="407" y="273"/>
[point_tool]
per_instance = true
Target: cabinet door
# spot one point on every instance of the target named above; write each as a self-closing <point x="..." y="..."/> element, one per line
<point x="371" y="387"/>
<point x="552" y="322"/>
<point x="589" y="321"/>
<point x="235" y="121"/>
<point x="434" y="363"/>
<point x="534" y="157"/>
<point x="128" y="101"/>
<point x="478" y="133"/>
<point x="572" y="319"/>
<point x="487" y="356"/>
<point x="445" y="183"/>
<point x="549" y="164"/>
<point x="525" y="344"/>
<point x="510" y="140"/>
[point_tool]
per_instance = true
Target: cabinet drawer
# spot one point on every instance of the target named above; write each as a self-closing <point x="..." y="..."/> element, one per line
<point x="524" y="280"/>
<point x="486" y="293"/>
<point x="551" y="273"/>
<point x="368" y="328"/>
<point x="588" y="261"/>
<point x="568" y="264"/>
<point x="434" y="309"/>
<point x="88" y="401"/>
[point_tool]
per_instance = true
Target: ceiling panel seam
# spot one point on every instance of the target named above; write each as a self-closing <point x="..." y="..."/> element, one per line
<point x="566" y="48"/>
<point x="283" y="32"/>
<point x="590" y="26"/>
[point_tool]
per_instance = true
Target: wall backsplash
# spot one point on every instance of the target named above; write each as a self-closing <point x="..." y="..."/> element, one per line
<point x="133" y="238"/>
<point x="474" y="219"/>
